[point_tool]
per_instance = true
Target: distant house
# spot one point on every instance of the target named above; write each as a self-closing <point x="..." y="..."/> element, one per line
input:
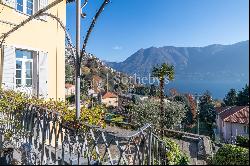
<point x="232" y="121"/>
<point x="69" y="89"/>
<point x="109" y="99"/>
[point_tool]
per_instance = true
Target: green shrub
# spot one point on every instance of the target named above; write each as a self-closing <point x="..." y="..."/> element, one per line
<point x="117" y="119"/>
<point x="11" y="101"/>
<point x="175" y="155"/>
<point x="231" y="155"/>
<point x="70" y="99"/>
<point x="242" y="141"/>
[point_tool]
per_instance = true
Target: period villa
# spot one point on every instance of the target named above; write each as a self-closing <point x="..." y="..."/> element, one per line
<point x="32" y="58"/>
<point x="232" y="121"/>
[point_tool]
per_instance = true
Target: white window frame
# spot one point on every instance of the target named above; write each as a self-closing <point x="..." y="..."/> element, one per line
<point x="23" y="69"/>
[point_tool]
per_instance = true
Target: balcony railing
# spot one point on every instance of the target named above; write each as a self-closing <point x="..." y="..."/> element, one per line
<point x="39" y="136"/>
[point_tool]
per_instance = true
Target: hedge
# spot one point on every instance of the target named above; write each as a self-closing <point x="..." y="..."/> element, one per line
<point x="231" y="155"/>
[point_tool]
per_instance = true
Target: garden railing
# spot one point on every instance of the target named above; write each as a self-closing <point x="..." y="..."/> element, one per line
<point x="40" y="136"/>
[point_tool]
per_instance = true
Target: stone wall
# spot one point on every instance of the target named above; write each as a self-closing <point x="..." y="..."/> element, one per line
<point x="204" y="144"/>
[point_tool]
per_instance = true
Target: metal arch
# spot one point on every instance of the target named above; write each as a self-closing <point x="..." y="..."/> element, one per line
<point x="83" y="51"/>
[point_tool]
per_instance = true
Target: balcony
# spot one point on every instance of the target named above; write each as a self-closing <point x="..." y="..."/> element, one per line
<point x="32" y="134"/>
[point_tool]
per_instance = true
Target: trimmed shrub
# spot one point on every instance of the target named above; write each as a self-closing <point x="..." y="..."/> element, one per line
<point x="231" y="155"/>
<point x="242" y="141"/>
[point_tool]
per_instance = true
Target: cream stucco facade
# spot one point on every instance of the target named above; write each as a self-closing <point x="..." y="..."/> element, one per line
<point x="38" y="35"/>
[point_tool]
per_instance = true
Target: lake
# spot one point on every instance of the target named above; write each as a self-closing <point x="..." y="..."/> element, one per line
<point x="218" y="89"/>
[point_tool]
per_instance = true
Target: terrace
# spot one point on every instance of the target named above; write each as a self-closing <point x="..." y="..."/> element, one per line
<point x="32" y="134"/>
<point x="37" y="133"/>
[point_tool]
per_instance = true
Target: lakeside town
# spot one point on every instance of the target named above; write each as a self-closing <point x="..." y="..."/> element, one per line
<point x="60" y="104"/>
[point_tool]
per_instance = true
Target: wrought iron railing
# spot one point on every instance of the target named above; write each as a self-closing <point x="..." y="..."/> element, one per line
<point x="40" y="136"/>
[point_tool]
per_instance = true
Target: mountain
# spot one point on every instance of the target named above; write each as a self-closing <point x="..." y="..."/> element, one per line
<point x="210" y="64"/>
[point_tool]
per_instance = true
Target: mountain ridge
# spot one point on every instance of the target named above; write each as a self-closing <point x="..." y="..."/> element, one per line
<point x="215" y="67"/>
<point x="215" y="59"/>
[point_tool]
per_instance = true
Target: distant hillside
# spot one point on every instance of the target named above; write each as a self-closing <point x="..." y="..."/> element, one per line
<point x="93" y="66"/>
<point x="211" y="64"/>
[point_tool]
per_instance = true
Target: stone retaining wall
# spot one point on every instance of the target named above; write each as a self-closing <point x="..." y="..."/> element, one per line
<point x="204" y="142"/>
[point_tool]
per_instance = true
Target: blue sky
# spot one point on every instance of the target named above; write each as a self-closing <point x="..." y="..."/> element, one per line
<point x="125" y="26"/>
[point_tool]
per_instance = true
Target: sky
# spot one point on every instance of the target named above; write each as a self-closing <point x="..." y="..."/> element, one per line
<point x="125" y="26"/>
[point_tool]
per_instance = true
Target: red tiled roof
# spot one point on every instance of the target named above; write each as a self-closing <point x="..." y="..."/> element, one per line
<point x="109" y="95"/>
<point x="220" y="109"/>
<point x="234" y="114"/>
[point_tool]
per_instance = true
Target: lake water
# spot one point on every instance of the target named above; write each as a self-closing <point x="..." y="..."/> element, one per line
<point x="218" y="89"/>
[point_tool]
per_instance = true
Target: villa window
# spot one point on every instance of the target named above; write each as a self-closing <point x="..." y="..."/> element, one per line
<point x="246" y="129"/>
<point x="25" y="70"/>
<point x="28" y="7"/>
<point x="24" y="66"/>
<point x="25" y="6"/>
<point x="19" y="5"/>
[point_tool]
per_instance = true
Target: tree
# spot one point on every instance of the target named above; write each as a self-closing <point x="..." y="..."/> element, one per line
<point x="148" y="111"/>
<point x="193" y="105"/>
<point x="153" y="90"/>
<point x="207" y="113"/>
<point x="206" y="97"/>
<point x="243" y="97"/>
<point x="190" y="109"/>
<point x="141" y="90"/>
<point x="161" y="72"/>
<point x="173" y="92"/>
<point x="69" y="73"/>
<point x="231" y="98"/>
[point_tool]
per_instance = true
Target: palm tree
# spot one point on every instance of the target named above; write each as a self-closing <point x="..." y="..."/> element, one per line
<point x="161" y="72"/>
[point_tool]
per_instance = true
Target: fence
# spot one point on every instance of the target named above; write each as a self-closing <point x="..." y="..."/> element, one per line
<point x="39" y="136"/>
